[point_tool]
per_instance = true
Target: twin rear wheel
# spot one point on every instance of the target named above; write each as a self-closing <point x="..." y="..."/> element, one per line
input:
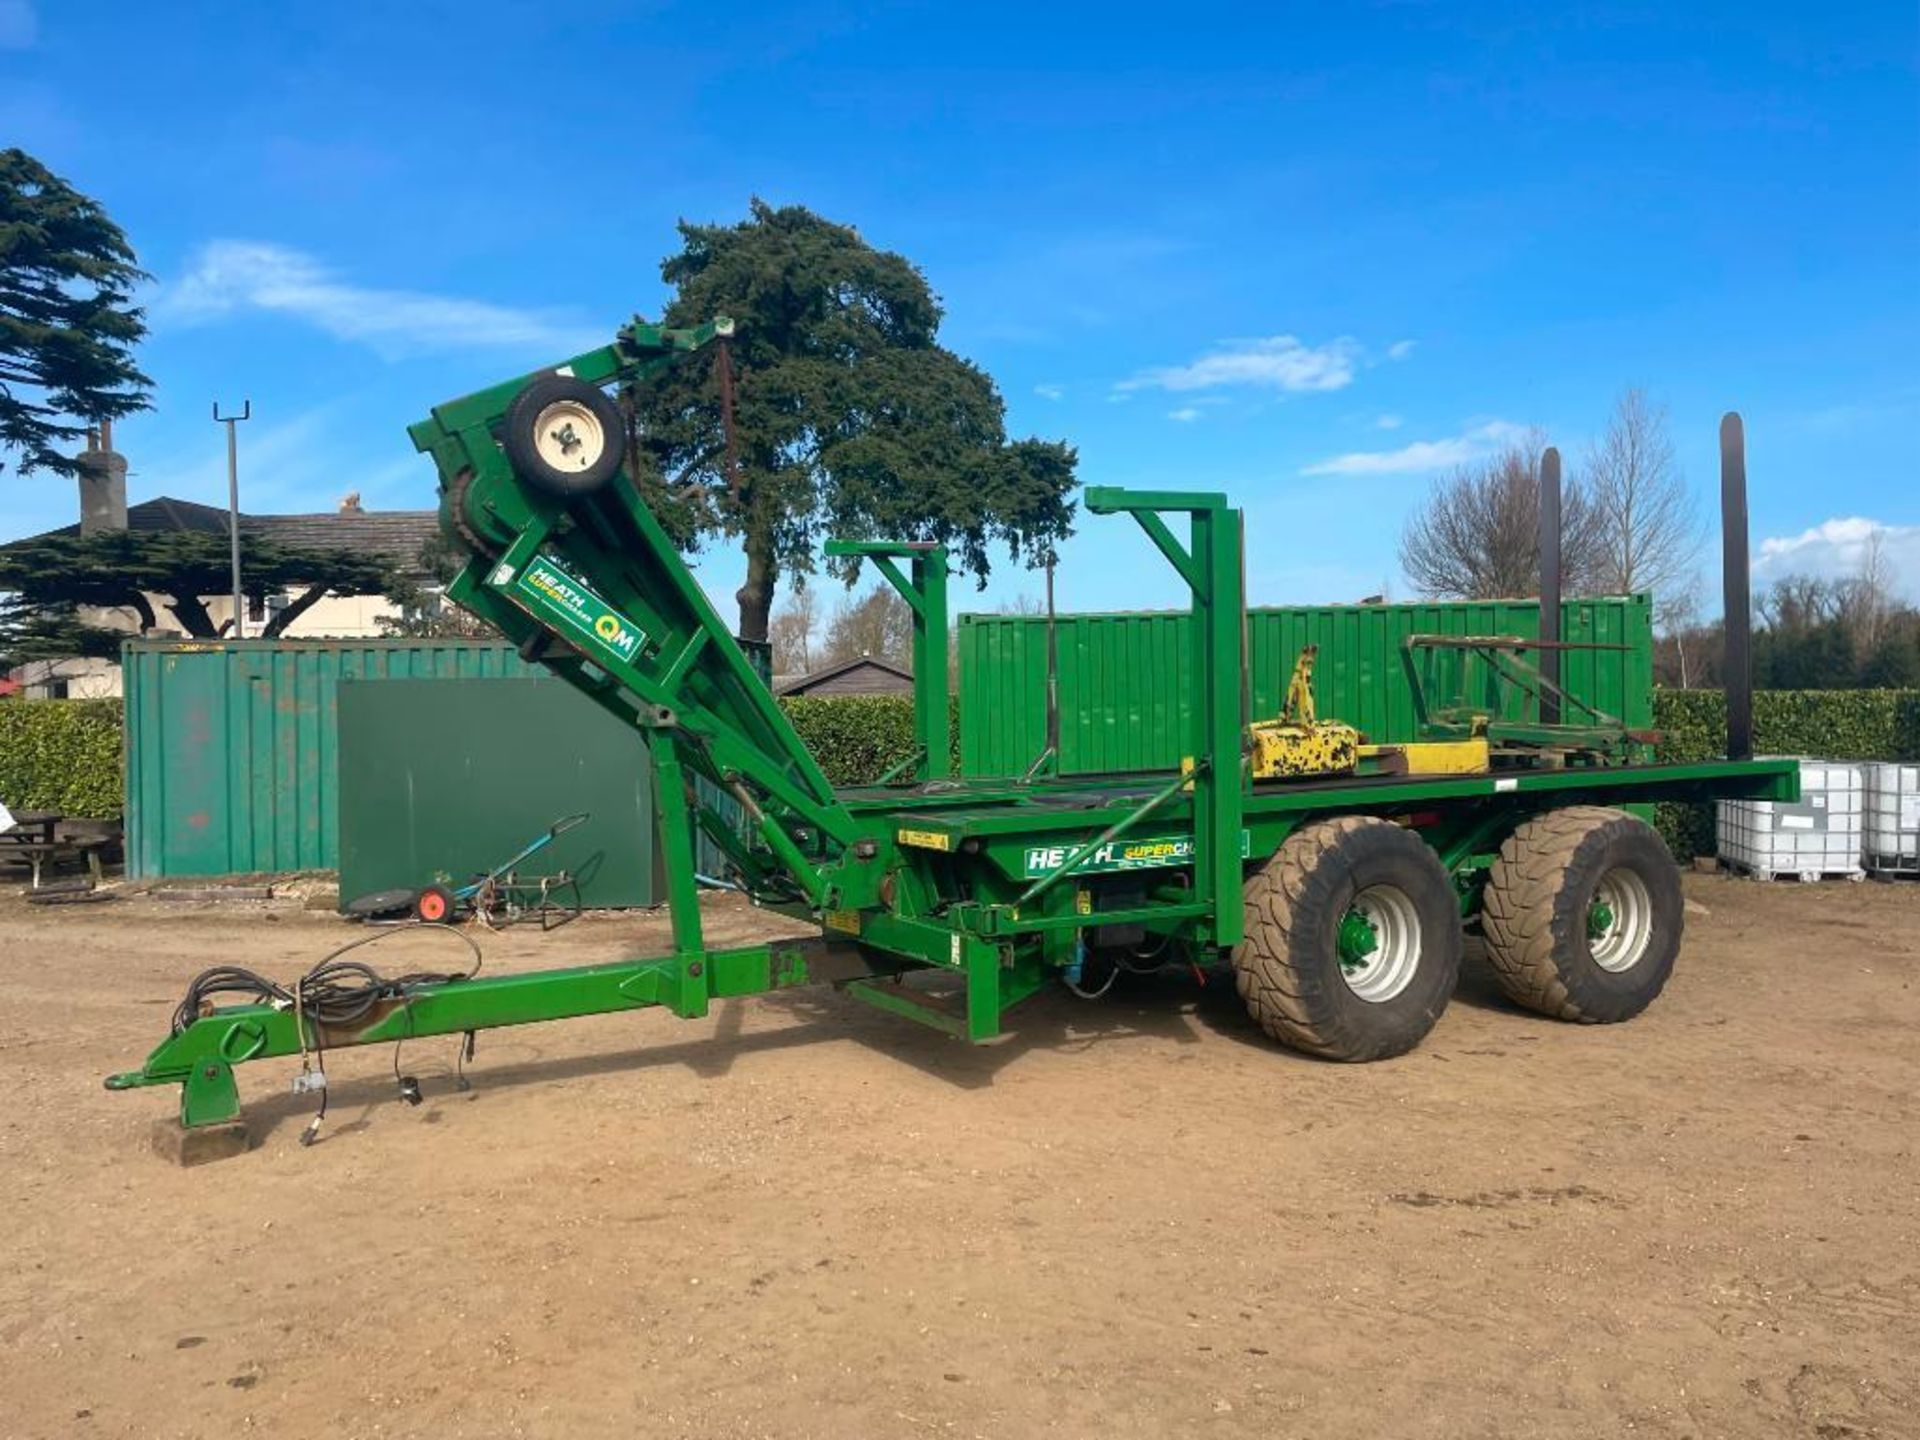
<point x="1352" y="940"/>
<point x="1582" y="915"/>
<point x="1353" y="933"/>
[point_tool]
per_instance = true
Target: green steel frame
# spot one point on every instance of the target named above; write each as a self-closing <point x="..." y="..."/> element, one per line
<point x="1210" y="564"/>
<point x="991" y="883"/>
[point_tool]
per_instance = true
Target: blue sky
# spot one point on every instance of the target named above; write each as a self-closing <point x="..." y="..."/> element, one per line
<point x="1305" y="254"/>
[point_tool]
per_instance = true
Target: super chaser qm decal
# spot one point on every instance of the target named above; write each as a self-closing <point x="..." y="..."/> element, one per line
<point x="544" y="588"/>
<point x="1156" y="853"/>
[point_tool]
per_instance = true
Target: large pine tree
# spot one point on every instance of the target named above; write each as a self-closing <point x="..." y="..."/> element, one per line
<point x="52" y="587"/>
<point x="853" y="420"/>
<point x="67" y="322"/>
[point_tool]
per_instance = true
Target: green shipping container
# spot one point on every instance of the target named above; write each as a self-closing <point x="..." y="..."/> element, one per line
<point x="232" y="746"/>
<point x="1124" y="678"/>
<point x="453" y="777"/>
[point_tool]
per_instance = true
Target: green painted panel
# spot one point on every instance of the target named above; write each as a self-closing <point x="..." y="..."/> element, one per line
<point x="232" y="754"/>
<point x="454" y="776"/>
<point x="1124" y="678"/>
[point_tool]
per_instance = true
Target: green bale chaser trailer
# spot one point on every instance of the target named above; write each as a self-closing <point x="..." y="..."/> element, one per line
<point x="1335" y="877"/>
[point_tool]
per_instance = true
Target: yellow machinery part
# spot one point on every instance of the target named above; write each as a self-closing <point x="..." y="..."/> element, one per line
<point x="1299" y="707"/>
<point x="1434" y="757"/>
<point x="1283" y="750"/>
<point x="1299" y="743"/>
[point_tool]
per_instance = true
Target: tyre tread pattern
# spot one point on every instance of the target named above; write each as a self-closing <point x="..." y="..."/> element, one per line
<point x="1286" y="1000"/>
<point x="1522" y="899"/>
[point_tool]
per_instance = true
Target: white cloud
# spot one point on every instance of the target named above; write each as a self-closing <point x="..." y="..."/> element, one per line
<point x="1833" y="548"/>
<point x="1279" y="362"/>
<point x="1400" y="349"/>
<point x="1388" y="422"/>
<point x="1185" y="414"/>
<point x="1050" y="392"/>
<point x="1422" y="454"/>
<point x="230" y="276"/>
<point x="19" y="26"/>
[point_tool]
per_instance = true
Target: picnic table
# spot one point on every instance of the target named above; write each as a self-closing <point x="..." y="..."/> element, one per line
<point x="35" y="841"/>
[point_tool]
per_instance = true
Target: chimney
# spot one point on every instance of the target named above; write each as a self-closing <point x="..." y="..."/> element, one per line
<point x="350" y="503"/>
<point x="103" y="483"/>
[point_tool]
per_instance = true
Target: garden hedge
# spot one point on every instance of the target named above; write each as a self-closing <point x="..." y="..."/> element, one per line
<point x="858" y="738"/>
<point x="1831" y="724"/>
<point x="61" y="755"/>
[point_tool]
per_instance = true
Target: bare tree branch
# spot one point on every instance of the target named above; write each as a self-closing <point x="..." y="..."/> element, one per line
<point x="1872" y="602"/>
<point x="792" y="631"/>
<point x="1647" y="527"/>
<point x="878" y="623"/>
<point x="1477" y="535"/>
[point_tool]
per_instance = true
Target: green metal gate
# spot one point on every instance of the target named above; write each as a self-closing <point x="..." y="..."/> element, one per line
<point x="453" y="776"/>
<point x="1124" y="678"/>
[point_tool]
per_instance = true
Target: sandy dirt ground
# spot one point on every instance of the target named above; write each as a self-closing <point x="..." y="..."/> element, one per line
<point x="1130" y="1218"/>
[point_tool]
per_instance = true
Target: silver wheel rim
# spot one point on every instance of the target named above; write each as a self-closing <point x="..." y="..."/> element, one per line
<point x="1390" y="967"/>
<point x="569" y="437"/>
<point x="1620" y="943"/>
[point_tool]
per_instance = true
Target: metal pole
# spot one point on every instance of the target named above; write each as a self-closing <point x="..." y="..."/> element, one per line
<point x="1049" y="757"/>
<point x="1053" y="672"/>
<point x="233" y="507"/>
<point x="1549" y="666"/>
<point x="1737" y="592"/>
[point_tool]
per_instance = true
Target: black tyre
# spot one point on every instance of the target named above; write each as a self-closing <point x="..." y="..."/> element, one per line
<point x="1583" y="915"/>
<point x="381" y="903"/>
<point x="564" y="436"/>
<point x="1353" y="940"/>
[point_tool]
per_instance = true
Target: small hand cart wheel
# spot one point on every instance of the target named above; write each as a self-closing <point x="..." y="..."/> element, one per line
<point x="434" y="905"/>
<point x="382" y="904"/>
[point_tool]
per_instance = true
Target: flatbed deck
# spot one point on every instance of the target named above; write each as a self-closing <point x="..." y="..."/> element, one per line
<point x="979" y="807"/>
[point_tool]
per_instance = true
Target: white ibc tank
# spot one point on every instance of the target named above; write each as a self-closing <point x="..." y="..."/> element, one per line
<point x="1819" y="835"/>
<point x="1892" y="826"/>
